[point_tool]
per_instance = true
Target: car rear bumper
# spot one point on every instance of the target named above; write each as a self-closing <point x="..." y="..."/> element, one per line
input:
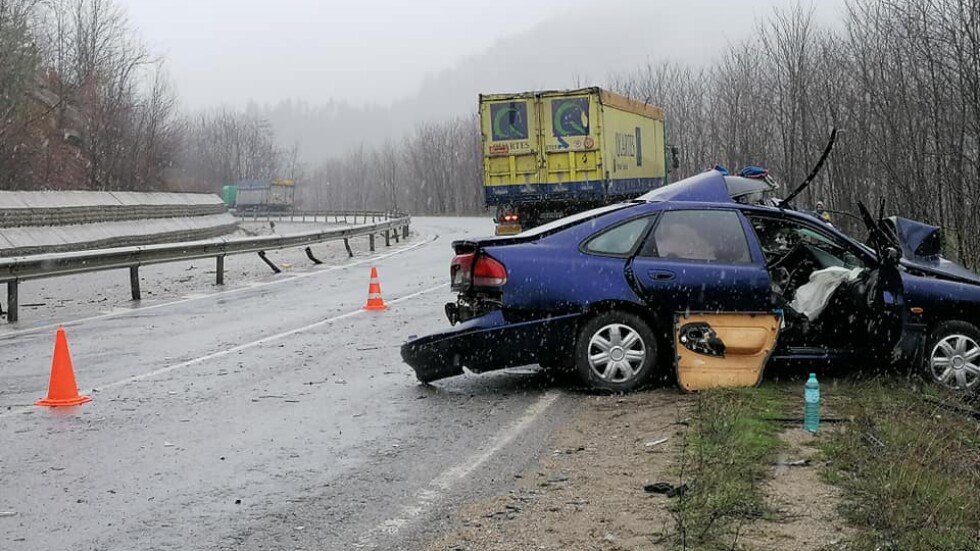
<point x="489" y="342"/>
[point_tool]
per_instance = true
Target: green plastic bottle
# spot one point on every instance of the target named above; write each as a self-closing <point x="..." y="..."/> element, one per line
<point x="811" y="408"/>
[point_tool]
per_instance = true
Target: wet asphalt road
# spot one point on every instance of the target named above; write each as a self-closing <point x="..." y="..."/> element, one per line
<point x="279" y="416"/>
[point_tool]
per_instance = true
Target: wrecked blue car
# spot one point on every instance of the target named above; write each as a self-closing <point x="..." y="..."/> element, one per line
<point x="711" y="280"/>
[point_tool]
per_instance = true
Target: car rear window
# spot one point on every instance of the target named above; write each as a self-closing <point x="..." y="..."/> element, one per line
<point x="619" y="240"/>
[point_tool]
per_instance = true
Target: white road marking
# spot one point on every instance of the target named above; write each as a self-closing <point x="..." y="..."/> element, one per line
<point x="427" y="497"/>
<point x="260" y="342"/>
<point x="247" y="286"/>
<point x="235" y="349"/>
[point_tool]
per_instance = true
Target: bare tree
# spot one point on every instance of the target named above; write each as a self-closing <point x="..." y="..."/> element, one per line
<point x="223" y="147"/>
<point x="387" y="171"/>
<point x="900" y="79"/>
<point x="19" y="64"/>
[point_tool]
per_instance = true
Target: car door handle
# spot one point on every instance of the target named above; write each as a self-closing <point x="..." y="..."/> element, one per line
<point x="661" y="275"/>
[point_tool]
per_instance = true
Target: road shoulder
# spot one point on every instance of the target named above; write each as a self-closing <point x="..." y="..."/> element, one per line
<point x="586" y="492"/>
<point x="589" y="490"/>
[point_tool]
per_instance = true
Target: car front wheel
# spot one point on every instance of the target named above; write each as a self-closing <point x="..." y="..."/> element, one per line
<point x="953" y="356"/>
<point x="616" y="352"/>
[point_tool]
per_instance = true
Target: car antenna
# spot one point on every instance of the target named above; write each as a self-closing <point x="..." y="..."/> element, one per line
<point x="813" y="173"/>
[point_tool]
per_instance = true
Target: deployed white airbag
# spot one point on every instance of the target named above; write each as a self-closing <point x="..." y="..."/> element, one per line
<point x="812" y="297"/>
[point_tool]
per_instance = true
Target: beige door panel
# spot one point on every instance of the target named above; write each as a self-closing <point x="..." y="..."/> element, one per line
<point x="723" y="350"/>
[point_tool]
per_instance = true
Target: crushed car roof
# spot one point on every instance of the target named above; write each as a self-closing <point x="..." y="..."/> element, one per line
<point x="712" y="186"/>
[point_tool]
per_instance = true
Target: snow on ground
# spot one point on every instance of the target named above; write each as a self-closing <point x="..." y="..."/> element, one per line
<point x="54" y="300"/>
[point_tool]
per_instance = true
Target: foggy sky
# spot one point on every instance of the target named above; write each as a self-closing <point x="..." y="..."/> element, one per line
<point x="230" y="51"/>
<point x="233" y="51"/>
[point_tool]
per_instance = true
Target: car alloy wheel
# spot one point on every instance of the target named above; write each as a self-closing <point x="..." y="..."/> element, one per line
<point x="616" y="353"/>
<point x="955" y="362"/>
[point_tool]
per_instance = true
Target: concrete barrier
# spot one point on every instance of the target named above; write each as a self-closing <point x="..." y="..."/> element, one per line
<point x="47" y="222"/>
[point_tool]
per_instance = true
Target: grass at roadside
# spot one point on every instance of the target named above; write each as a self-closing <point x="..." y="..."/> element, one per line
<point x="909" y="467"/>
<point x="729" y="450"/>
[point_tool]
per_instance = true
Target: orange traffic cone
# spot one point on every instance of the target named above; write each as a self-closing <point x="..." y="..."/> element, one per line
<point x="62" y="390"/>
<point x="375" y="302"/>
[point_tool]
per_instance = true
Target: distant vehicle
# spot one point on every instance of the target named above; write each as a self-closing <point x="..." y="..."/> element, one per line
<point x="260" y="195"/>
<point x="229" y="195"/>
<point x="547" y="155"/>
<point x="706" y="277"/>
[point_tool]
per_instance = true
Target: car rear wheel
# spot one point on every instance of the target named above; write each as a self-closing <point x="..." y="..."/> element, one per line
<point x="953" y="356"/>
<point x="616" y="352"/>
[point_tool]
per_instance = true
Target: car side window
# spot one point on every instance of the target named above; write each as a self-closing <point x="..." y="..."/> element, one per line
<point x="619" y="240"/>
<point x="706" y="235"/>
<point x="781" y="238"/>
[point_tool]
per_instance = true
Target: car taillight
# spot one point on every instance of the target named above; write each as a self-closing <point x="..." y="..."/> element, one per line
<point x="489" y="272"/>
<point x="460" y="270"/>
<point x="510" y="218"/>
<point x="477" y="271"/>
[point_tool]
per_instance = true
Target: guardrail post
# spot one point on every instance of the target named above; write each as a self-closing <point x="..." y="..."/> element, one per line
<point x="397" y="235"/>
<point x="309" y="254"/>
<point x="387" y="238"/>
<point x="219" y="270"/>
<point x="371" y="237"/>
<point x="134" y="282"/>
<point x="12" y="300"/>
<point x="269" y="262"/>
<point x="350" y="253"/>
<point x="405" y="232"/>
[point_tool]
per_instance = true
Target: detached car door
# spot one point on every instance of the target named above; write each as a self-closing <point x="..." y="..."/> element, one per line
<point x="703" y="270"/>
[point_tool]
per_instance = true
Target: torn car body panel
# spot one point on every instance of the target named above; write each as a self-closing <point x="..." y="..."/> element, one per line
<point x="921" y="248"/>
<point x="488" y="342"/>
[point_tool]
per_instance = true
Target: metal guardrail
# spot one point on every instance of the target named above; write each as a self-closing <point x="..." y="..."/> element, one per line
<point x="13" y="270"/>
<point x="338" y="216"/>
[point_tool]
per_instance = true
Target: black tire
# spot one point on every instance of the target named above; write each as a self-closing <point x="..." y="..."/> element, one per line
<point x="611" y="374"/>
<point x="952" y="357"/>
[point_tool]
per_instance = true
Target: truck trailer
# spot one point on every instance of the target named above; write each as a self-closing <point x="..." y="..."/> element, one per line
<point x="263" y="195"/>
<point x="550" y="154"/>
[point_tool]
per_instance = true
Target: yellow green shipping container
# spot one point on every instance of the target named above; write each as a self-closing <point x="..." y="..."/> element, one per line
<point x="575" y="145"/>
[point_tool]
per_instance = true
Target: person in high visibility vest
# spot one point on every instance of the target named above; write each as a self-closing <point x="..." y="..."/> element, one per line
<point x="822" y="212"/>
